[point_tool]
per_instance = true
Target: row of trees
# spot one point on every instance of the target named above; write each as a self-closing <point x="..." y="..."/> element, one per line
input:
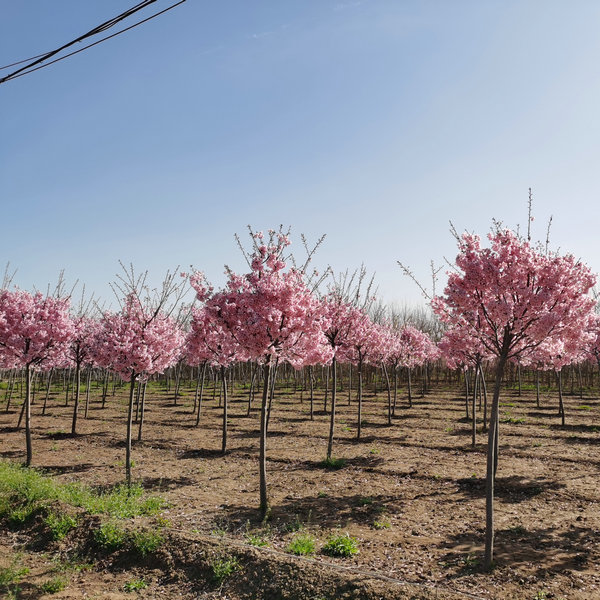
<point x="507" y="302"/>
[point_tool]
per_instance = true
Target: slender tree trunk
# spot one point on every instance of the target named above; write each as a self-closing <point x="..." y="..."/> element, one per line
<point x="312" y="393"/>
<point x="389" y="393"/>
<point x="28" y="415"/>
<point x="129" y="424"/>
<point x="142" y="411"/>
<point x="87" y="392"/>
<point x="350" y="385"/>
<point x="253" y="373"/>
<point x="395" y="390"/>
<point x="47" y="391"/>
<point x="360" y="390"/>
<point x="561" y="406"/>
<point x="333" y="398"/>
<point x="264" y="498"/>
<point x="77" y="391"/>
<point x="492" y="457"/>
<point x="224" y="384"/>
<point x="473" y="407"/>
<point x="326" y="389"/>
<point x="409" y="388"/>
<point x="519" y="378"/>
<point x="201" y="394"/>
<point x="467" y="392"/>
<point x="484" y="388"/>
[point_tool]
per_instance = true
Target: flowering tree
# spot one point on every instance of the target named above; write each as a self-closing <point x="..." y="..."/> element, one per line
<point x="272" y="315"/>
<point x="34" y="331"/>
<point x="210" y="341"/>
<point x="136" y="342"/>
<point x="511" y="298"/>
<point x="460" y="349"/>
<point x="80" y="352"/>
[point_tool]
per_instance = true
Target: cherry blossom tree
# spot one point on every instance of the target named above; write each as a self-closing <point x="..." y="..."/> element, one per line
<point x="512" y="297"/>
<point x="140" y="339"/>
<point x="272" y="314"/>
<point x="34" y="331"/>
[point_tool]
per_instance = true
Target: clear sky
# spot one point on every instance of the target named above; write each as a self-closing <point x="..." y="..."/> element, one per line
<point x="374" y="122"/>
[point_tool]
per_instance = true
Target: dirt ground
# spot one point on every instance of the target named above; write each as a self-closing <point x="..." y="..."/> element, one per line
<point x="412" y="494"/>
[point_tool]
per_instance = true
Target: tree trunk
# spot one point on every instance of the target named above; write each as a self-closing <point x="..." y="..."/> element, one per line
<point x="312" y="393"/>
<point x="389" y="393"/>
<point x="409" y="389"/>
<point x="142" y="411"/>
<point x="492" y="451"/>
<point x="224" y="384"/>
<point x="264" y="498"/>
<point x="87" y="392"/>
<point x="47" y="391"/>
<point x="28" y="415"/>
<point x="360" y="390"/>
<point x="201" y="393"/>
<point x="129" y="423"/>
<point x="473" y="407"/>
<point x="77" y="390"/>
<point x="561" y="406"/>
<point x="333" y="398"/>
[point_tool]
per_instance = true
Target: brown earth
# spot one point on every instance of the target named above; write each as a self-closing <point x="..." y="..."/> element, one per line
<point x="412" y="494"/>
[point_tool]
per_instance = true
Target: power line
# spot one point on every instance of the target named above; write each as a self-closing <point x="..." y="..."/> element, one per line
<point x="36" y="60"/>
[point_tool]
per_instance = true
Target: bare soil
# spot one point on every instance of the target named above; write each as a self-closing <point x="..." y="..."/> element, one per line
<point x="412" y="494"/>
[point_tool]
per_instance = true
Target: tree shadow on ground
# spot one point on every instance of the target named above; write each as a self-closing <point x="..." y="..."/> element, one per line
<point x="575" y="549"/>
<point x="163" y="484"/>
<point x="62" y="469"/>
<point x="326" y="511"/>
<point x="510" y="489"/>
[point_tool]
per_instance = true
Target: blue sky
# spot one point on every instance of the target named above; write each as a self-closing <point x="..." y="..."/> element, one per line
<point x="374" y="122"/>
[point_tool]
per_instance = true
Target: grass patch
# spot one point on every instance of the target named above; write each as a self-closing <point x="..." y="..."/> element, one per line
<point x="10" y="577"/>
<point x="224" y="567"/>
<point x="303" y="544"/>
<point x="514" y="420"/>
<point x="59" y="525"/>
<point x="341" y="545"/>
<point x="145" y="541"/>
<point x="381" y="524"/>
<point x="26" y="492"/>
<point x="583" y="407"/>
<point x="365" y="501"/>
<point x="333" y="463"/>
<point x="134" y="585"/>
<point x="54" y="585"/>
<point x="111" y="536"/>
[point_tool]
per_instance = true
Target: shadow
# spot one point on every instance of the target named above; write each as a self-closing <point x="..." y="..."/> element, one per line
<point x="163" y="484"/>
<point x="510" y="489"/>
<point x="557" y="551"/>
<point x="328" y="511"/>
<point x="579" y="428"/>
<point x="60" y="470"/>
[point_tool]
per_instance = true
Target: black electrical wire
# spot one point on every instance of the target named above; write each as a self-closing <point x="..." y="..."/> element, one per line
<point x="31" y="67"/>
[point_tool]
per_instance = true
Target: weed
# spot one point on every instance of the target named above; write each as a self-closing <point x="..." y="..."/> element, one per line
<point x="256" y="539"/>
<point x="11" y="576"/>
<point x="296" y="524"/>
<point x="146" y="541"/>
<point x="333" y="463"/>
<point x="54" y="585"/>
<point x="517" y="530"/>
<point x="540" y="595"/>
<point x="374" y="451"/>
<point x="322" y="494"/>
<point x="511" y="404"/>
<point x="537" y="444"/>
<point x="381" y="524"/>
<point x="163" y="522"/>
<point x="514" y="420"/>
<point x="134" y="585"/>
<point x="365" y="501"/>
<point x="223" y="567"/>
<point x="303" y="544"/>
<point x="583" y="407"/>
<point x="60" y="525"/>
<point x="111" y="536"/>
<point x="449" y="429"/>
<point x="341" y="545"/>
<point x="469" y="562"/>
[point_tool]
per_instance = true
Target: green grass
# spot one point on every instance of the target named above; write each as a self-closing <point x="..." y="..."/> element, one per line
<point x="59" y="525"/>
<point x="54" y="585"/>
<point x="25" y="492"/>
<point x="341" y="545"/>
<point x="303" y="544"/>
<point x="365" y="501"/>
<point x="333" y="463"/>
<point x="134" y="585"/>
<point x="583" y="407"/>
<point x="223" y="567"/>
<point x="514" y="420"/>
<point x="381" y="524"/>
<point x="145" y="541"/>
<point x="111" y="536"/>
